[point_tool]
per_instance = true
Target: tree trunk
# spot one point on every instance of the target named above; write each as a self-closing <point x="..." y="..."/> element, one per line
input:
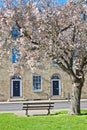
<point x="75" y="97"/>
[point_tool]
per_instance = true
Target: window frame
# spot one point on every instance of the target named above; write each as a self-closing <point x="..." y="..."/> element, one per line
<point x="39" y="89"/>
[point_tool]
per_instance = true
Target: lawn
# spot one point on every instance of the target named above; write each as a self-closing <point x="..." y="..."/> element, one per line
<point x="59" y="121"/>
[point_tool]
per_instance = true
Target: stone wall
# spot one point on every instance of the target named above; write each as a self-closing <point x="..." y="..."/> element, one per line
<point x="46" y="72"/>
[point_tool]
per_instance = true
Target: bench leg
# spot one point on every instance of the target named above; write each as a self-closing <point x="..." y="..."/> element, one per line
<point x="49" y="111"/>
<point x="26" y="112"/>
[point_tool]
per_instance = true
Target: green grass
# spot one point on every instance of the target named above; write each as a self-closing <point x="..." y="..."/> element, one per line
<point x="59" y="121"/>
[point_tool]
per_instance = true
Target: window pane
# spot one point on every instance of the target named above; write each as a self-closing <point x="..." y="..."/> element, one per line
<point x="15" y="55"/>
<point x="15" y="32"/>
<point x="84" y="17"/>
<point x="36" y="82"/>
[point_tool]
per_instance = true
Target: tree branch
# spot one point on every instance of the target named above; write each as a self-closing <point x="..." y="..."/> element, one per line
<point x="61" y="30"/>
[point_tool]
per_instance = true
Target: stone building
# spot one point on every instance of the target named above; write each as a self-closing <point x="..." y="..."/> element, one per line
<point x="46" y="82"/>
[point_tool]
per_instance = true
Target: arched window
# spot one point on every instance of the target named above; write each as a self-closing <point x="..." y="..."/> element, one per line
<point x="56" y="85"/>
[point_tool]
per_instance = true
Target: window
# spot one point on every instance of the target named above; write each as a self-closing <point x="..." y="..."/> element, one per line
<point x="15" y="32"/>
<point x="84" y="17"/>
<point x="15" y="55"/>
<point x="54" y="64"/>
<point x="37" y="83"/>
<point x="86" y="2"/>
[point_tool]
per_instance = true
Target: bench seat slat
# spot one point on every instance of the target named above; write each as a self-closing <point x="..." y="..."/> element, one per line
<point x="37" y="103"/>
<point x="37" y="107"/>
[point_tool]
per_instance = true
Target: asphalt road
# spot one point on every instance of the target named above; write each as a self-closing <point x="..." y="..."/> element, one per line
<point x="10" y="106"/>
<point x="67" y="104"/>
<point x="58" y="105"/>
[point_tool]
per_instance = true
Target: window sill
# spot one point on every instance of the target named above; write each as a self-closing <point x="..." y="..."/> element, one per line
<point x="37" y="91"/>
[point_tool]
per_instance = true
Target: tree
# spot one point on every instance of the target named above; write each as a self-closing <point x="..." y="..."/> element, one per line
<point x="68" y="47"/>
<point x="47" y="32"/>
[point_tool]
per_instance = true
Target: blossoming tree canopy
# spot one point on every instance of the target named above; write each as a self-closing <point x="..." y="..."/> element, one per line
<point x="46" y="31"/>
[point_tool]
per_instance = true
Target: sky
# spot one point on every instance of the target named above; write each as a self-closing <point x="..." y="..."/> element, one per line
<point x="59" y="1"/>
<point x="62" y="1"/>
<point x="1" y="3"/>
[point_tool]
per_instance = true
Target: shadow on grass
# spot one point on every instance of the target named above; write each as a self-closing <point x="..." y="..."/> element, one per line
<point x="65" y="112"/>
<point x="52" y="114"/>
<point x="60" y="112"/>
<point x="83" y="112"/>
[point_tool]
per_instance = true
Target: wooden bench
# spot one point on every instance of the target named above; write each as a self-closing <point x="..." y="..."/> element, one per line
<point x="38" y="106"/>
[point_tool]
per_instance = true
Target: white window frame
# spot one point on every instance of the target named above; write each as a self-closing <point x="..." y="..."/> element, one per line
<point x="12" y="87"/>
<point x="59" y="86"/>
<point x="37" y="90"/>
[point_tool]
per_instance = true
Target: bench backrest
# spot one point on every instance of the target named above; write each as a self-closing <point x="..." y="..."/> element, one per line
<point x="38" y="104"/>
